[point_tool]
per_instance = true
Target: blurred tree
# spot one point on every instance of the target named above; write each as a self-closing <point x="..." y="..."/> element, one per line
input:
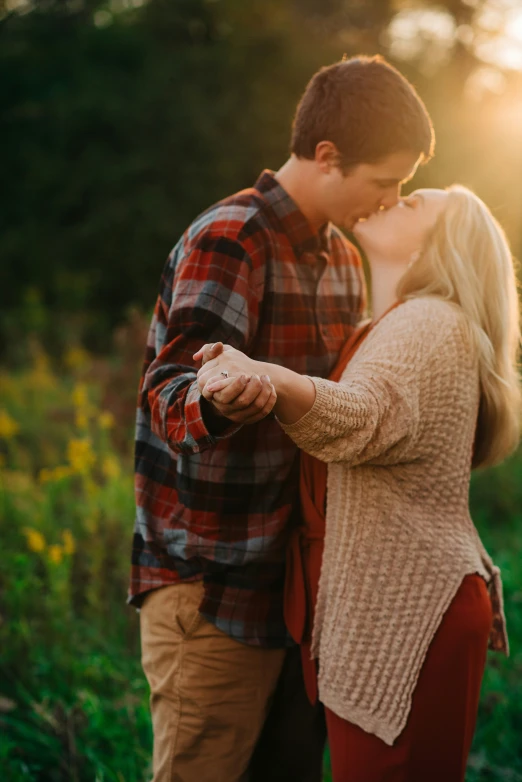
<point x="123" y="119"/>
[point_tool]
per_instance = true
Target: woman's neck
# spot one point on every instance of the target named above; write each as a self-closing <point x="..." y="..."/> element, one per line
<point x="385" y="278"/>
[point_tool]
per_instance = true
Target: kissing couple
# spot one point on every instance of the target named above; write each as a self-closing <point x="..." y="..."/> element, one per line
<point x="304" y="560"/>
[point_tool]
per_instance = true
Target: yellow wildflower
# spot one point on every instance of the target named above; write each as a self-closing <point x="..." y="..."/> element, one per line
<point x="81" y="456"/>
<point x="111" y="467"/>
<point x="41" y="381"/>
<point x="69" y="544"/>
<point x="55" y="554"/>
<point x="62" y="471"/>
<point x="41" y="376"/>
<point x="45" y="475"/>
<point x="76" y="357"/>
<point x="35" y="539"/>
<point x="41" y="362"/>
<point x="92" y="521"/>
<point x="19" y="482"/>
<point x="106" y="420"/>
<point x="9" y="386"/>
<point x="91" y="488"/>
<point x="79" y="395"/>
<point x="8" y="426"/>
<point x="82" y="422"/>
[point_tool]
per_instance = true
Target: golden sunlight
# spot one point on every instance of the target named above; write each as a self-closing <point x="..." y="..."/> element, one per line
<point x="501" y="40"/>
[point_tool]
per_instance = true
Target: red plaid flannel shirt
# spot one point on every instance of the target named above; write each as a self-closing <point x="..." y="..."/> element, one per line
<point x="217" y="506"/>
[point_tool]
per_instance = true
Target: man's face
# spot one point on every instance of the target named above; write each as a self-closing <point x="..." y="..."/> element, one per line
<point x="365" y="189"/>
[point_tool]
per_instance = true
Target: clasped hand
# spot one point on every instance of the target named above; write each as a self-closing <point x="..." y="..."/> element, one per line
<point x="246" y="395"/>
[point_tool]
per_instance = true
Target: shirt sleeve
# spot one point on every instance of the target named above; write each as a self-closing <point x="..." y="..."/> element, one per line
<point x="210" y="293"/>
<point x="351" y="422"/>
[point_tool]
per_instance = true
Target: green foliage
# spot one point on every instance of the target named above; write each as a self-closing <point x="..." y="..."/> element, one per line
<point x="496" y="505"/>
<point x="119" y="136"/>
<point x="73" y="701"/>
<point x="121" y="123"/>
<point x="73" y="698"/>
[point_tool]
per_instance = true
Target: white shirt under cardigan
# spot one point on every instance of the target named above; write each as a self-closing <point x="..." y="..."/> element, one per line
<point x="397" y="432"/>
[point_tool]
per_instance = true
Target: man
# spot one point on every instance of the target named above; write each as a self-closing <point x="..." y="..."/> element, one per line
<point x="216" y="485"/>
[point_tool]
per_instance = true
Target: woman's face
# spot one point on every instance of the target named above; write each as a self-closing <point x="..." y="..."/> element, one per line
<point x="397" y="233"/>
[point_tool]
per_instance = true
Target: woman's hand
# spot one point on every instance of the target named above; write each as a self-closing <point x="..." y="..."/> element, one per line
<point x="228" y="359"/>
<point x="291" y="395"/>
<point x="245" y="396"/>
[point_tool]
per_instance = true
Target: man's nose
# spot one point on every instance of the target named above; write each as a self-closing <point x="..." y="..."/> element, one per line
<point x="391" y="198"/>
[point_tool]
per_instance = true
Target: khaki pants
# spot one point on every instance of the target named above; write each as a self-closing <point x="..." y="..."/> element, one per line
<point x="209" y="693"/>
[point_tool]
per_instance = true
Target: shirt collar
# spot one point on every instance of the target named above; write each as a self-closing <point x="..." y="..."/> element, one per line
<point x="303" y="237"/>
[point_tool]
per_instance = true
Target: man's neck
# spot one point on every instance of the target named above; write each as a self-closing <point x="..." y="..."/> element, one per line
<point x="385" y="278"/>
<point x="297" y="177"/>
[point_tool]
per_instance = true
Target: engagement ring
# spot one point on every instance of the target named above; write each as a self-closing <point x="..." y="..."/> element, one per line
<point x="224" y="373"/>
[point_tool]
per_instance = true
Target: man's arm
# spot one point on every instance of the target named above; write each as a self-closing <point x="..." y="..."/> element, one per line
<point x="209" y="291"/>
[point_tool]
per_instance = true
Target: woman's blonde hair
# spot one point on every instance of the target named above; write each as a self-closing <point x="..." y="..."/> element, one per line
<point x="467" y="260"/>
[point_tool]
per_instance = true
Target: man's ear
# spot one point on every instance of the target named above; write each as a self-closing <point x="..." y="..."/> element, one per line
<point x="326" y="156"/>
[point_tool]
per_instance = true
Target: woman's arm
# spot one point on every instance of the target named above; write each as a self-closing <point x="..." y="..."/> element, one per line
<point x="295" y="393"/>
<point x="374" y="412"/>
<point x="351" y="421"/>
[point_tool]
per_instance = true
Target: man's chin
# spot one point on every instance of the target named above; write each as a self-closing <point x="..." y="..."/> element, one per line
<point x="348" y="223"/>
<point x="358" y="227"/>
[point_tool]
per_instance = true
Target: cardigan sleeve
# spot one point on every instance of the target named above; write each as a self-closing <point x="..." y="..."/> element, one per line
<point x="374" y="413"/>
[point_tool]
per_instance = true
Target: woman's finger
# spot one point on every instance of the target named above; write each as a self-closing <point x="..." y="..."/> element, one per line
<point x="230" y="393"/>
<point x="217" y="384"/>
<point x="229" y="389"/>
<point x="250" y="395"/>
<point x="208" y="370"/>
<point x="248" y="404"/>
<point x="214" y="375"/>
<point x="267" y="409"/>
<point x="260" y="402"/>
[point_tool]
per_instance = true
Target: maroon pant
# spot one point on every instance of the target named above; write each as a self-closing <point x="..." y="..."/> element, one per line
<point x="435" y="743"/>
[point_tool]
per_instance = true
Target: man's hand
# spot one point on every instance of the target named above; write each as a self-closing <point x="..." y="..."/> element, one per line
<point x="241" y="398"/>
<point x="208" y="352"/>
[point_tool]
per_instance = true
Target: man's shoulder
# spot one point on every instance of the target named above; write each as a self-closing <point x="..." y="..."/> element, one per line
<point x="236" y="217"/>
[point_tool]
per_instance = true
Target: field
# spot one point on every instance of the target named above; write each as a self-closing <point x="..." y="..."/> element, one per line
<point x="73" y="700"/>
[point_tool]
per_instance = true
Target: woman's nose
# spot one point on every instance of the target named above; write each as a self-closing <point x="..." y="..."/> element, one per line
<point x="390" y="200"/>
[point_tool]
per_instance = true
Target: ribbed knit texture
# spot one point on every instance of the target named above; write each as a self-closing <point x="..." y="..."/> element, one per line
<point x="398" y="433"/>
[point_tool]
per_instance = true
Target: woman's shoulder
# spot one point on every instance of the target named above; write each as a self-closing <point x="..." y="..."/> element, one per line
<point x="426" y="325"/>
<point x="426" y="315"/>
<point x="430" y="309"/>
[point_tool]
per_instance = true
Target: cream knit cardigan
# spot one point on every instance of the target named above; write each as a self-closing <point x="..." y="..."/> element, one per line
<point x="397" y="432"/>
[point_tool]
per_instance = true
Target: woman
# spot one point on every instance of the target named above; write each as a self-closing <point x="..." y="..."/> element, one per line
<point x="408" y="598"/>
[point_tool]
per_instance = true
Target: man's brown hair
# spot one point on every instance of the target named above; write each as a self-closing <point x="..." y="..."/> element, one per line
<point x="367" y="109"/>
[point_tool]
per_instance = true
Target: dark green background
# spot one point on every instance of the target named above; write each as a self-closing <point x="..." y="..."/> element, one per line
<point x="120" y="124"/>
